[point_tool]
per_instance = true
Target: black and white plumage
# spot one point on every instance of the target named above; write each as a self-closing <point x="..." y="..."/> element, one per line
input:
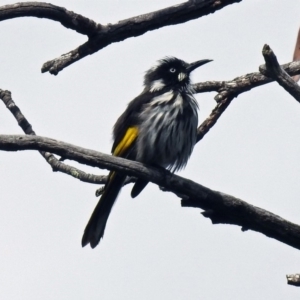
<point x="158" y="127"/>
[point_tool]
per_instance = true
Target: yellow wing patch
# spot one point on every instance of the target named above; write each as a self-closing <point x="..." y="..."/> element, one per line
<point x="129" y="137"/>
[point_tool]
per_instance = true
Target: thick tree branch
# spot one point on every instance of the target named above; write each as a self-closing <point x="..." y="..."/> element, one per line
<point x="274" y="70"/>
<point x="136" y="26"/>
<point x="293" y="279"/>
<point x="67" y="18"/>
<point x="220" y="207"/>
<point x="56" y="165"/>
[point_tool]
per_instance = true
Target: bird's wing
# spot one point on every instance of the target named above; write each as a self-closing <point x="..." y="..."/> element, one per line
<point x="126" y="131"/>
<point x="129" y="119"/>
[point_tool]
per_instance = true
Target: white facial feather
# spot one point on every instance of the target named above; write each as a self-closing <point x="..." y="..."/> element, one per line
<point x="181" y="76"/>
<point x="156" y="85"/>
<point x="178" y="102"/>
<point x="162" y="98"/>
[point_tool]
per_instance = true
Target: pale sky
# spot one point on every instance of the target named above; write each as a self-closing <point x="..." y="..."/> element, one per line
<point x="152" y="248"/>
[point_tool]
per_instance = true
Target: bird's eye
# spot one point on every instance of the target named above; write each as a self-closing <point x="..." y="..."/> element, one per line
<point x="172" y="70"/>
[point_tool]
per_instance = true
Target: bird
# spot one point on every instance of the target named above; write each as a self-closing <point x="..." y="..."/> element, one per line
<point x="158" y="128"/>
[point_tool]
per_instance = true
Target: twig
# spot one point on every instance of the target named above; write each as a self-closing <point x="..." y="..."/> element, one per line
<point x="56" y="165"/>
<point x="274" y="70"/>
<point x="293" y="279"/>
<point x="129" y="179"/>
<point x="212" y="119"/>
<point x="220" y="207"/>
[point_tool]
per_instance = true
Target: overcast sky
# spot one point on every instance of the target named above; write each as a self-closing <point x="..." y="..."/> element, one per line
<point x="152" y="248"/>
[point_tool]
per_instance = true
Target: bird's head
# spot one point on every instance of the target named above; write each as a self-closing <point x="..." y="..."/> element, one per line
<point x="170" y="72"/>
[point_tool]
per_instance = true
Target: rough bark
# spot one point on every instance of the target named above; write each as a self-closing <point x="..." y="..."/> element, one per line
<point x="100" y="36"/>
<point x="293" y="279"/>
<point x="275" y="71"/>
<point x="219" y="207"/>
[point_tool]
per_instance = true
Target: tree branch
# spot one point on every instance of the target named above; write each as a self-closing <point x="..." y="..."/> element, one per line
<point x="293" y="279"/>
<point x="56" y="165"/>
<point x="243" y="83"/>
<point x="67" y="18"/>
<point x="212" y="119"/>
<point x="228" y="90"/>
<point x="220" y="207"/>
<point x="136" y="26"/>
<point x="274" y="70"/>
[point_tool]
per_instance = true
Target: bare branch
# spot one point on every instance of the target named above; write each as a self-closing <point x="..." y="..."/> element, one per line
<point x="212" y="119"/>
<point x="56" y="165"/>
<point x="136" y="26"/>
<point x="67" y="18"/>
<point x="129" y="179"/>
<point x="228" y="90"/>
<point x="219" y="207"/>
<point x="293" y="279"/>
<point x="274" y="70"/>
<point x="243" y="83"/>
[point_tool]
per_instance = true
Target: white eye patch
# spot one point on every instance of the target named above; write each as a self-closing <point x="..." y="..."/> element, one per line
<point x="172" y="70"/>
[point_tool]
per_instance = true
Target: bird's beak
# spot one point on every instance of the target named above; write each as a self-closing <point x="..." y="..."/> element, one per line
<point x="191" y="67"/>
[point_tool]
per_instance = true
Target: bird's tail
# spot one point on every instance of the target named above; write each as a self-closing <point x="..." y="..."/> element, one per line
<point x="94" y="230"/>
